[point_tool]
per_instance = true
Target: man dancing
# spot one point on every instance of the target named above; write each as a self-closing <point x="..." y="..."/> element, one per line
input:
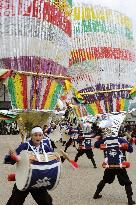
<point x="85" y="147"/>
<point x="36" y="146"/>
<point x="115" y="149"/>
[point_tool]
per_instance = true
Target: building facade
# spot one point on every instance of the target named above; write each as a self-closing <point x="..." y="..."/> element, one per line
<point x="5" y="103"/>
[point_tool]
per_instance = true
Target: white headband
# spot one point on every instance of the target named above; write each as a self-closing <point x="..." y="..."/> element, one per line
<point x="36" y="129"/>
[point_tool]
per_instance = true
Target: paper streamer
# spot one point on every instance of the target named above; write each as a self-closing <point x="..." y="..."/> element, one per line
<point x="92" y="53"/>
<point x="35" y="35"/>
<point x="36" y="9"/>
<point x="115" y="101"/>
<point x="28" y="92"/>
<point x="100" y="26"/>
<point x="87" y="12"/>
<point x="102" y="52"/>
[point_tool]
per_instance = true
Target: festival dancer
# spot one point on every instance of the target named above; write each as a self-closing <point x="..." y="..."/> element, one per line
<point x="85" y="147"/>
<point x="46" y="131"/>
<point x="35" y="145"/>
<point x="71" y="133"/>
<point x="115" y="156"/>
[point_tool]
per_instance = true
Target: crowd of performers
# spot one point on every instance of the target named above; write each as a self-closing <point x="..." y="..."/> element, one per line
<point x="9" y="128"/>
<point x="79" y="136"/>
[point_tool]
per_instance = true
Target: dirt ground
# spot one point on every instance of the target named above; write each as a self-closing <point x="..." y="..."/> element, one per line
<point x="76" y="187"/>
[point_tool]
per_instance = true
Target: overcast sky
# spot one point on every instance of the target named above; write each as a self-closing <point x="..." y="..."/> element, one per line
<point x="127" y="7"/>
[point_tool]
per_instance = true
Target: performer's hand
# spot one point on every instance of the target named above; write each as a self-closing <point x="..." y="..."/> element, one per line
<point x="124" y="146"/>
<point x="32" y="158"/>
<point x="13" y="155"/>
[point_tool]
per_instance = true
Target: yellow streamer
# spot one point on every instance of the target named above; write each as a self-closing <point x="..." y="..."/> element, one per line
<point x="68" y="85"/>
<point x="94" y="107"/>
<point x="133" y="90"/>
<point x="77" y="94"/>
<point x="49" y="97"/>
<point x="34" y="101"/>
<point x="63" y="7"/>
<point x="18" y="90"/>
<point x="122" y="103"/>
<point x="88" y="13"/>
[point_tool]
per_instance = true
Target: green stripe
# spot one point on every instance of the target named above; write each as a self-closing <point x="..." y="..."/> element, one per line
<point x="11" y="89"/>
<point x="55" y="96"/>
<point x="10" y="121"/>
<point x="133" y="95"/>
<point x="75" y="111"/>
<point x="101" y="26"/>
<point x="89" y="109"/>
<point x="126" y="105"/>
<point x="70" y="2"/>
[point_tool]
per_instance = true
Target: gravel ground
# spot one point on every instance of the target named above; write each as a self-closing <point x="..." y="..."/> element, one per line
<point x="76" y="187"/>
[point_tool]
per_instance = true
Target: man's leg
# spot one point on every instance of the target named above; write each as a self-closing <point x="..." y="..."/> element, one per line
<point x="129" y="193"/>
<point x="41" y="196"/>
<point x="17" y="197"/>
<point x="108" y="177"/>
<point x="100" y="187"/>
<point x="79" y="154"/>
<point x="90" y="155"/>
<point x="63" y="143"/>
<point x="53" y="144"/>
<point x="123" y="179"/>
<point x="68" y="144"/>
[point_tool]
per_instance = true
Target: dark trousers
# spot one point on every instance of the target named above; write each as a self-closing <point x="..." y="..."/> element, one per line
<point x="53" y="144"/>
<point x="40" y="195"/>
<point x="69" y="142"/>
<point x="123" y="178"/>
<point x="89" y="154"/>
<point x="63" y="143"/>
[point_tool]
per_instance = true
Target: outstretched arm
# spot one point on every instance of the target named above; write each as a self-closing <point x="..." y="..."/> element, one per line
<point x="8" y="158"/>
<point x="98" y="143"/>
<point x="130" y="147"/>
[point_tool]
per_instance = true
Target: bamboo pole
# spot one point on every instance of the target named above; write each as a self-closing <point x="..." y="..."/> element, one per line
<point x="105" y="91"/>
<point x="114" y="166"/>
<point x="43" y="75"/>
